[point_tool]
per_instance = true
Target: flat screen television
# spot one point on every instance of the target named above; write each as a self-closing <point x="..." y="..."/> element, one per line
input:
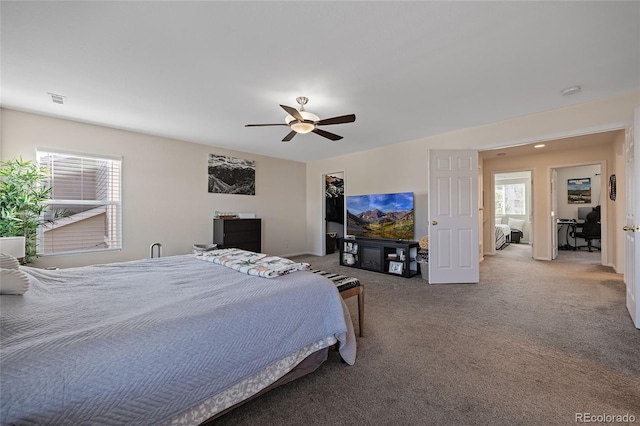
<point x="387" y="216"/>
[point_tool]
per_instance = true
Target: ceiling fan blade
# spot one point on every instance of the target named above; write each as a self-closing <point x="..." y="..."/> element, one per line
<point x="338" y="120"/>
<point x="260" y="125"/>
<point x="293" y="112"/>
<point x="327" y="135"/>
<point x="289" y="136"/>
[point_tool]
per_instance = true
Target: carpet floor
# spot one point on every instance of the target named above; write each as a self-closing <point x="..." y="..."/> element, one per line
<point x="534" y="343"/>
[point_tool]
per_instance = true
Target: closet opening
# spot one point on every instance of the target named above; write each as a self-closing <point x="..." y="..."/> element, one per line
<point x="334" y="210"/>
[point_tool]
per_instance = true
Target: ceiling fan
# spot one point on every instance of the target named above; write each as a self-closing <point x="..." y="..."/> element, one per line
<point x="305" y="122"/>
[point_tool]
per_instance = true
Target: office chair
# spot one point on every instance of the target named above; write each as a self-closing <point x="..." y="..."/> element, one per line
<point x="590" y="230"/>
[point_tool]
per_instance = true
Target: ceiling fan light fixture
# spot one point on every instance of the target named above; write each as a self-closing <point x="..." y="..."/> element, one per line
<point x="301" y="121"/>
<point x="303" y="127"/>
<point x="306" y="126"/>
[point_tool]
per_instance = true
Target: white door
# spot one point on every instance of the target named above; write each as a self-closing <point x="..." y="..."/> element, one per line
<point x="453" y="217"/>
<point x="554" y="214"/>
<point x="632" y="219"/>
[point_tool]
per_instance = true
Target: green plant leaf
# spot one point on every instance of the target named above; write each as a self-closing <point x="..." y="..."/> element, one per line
<point x="23" y="192"/>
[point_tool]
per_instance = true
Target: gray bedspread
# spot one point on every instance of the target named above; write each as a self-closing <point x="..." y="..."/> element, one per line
<point x="140" y="342"/>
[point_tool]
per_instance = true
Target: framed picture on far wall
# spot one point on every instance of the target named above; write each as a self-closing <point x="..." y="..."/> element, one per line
<point x="579" y="191"/>
<point x="230" y="175"/>
<point x="395" y="267"/>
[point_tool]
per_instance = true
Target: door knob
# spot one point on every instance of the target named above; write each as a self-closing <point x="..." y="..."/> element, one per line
<point x="629" y="228"/>
<point x="434" y="222"/>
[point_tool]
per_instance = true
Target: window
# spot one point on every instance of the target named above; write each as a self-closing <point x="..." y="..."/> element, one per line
<point x="510" y="199"/>
<point x="84" y="212"/>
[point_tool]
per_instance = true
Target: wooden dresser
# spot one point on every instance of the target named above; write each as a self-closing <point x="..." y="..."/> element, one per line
<point x="244" y="234"/>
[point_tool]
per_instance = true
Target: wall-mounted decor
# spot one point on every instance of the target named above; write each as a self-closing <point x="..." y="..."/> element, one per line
<point x="230" y="175"/>
<point x="612" y="187"/>
<point x="579" y="191"/>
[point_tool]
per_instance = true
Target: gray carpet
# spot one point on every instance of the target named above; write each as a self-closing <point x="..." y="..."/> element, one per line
<point x="533" y="344"/>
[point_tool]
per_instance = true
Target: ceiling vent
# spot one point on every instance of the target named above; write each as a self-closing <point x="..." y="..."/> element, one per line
<point x="57" y="99"/>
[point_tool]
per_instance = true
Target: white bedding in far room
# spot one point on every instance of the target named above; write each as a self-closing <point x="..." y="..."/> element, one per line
<point x="503" y="233"/>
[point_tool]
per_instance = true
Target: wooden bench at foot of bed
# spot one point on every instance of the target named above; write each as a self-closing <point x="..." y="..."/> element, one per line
<point x="348" y="287"/>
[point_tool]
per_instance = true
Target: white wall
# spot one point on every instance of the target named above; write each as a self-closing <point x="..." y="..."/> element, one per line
<point x="382" y="170"/>
<point x="614" y="227"/>
<point x="404" y="166"/>
<point x="570" y="211"/>
<point x="156" y="167"/>
<point x="165" y="196"/>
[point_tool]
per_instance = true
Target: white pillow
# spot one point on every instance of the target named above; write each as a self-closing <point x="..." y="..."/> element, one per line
<point x="13" y="281"/>
<point x="517" y="224"/>
<point x="8" y="262"/>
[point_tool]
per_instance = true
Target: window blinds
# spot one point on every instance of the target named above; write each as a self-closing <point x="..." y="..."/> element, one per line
<point x="84" y="212"/>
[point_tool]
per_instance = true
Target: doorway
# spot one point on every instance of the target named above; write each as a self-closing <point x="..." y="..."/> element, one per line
<point x="334" y="210"/>
<point x="578" y="197"/>
<point x="513" y="209"/>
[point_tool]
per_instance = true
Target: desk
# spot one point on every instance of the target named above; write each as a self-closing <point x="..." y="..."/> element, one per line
<point x="570" y="225"/>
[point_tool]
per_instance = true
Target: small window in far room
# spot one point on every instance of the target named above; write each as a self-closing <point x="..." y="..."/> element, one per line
<point x="510" y="199"/>
<point x="84" y="212"/>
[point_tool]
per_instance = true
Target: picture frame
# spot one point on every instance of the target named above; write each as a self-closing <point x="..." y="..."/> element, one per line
<point x="351" y="247"/>
<point x="231" y="175"/>
<point x="612" y="187"/>
<point x="579" y="191"/>
<point x="396" y="267"/>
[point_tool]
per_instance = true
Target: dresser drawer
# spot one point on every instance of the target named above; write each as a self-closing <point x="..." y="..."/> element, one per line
<point x="245" y="234"/>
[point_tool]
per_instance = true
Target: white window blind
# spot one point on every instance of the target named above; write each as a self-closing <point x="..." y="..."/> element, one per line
<point x="84" y="212"/>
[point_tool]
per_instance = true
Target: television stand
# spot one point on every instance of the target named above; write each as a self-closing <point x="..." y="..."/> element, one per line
<point x="397" y="257"/>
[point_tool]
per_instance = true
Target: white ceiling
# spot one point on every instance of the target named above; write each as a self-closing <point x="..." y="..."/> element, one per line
<point x="200" y="71"/>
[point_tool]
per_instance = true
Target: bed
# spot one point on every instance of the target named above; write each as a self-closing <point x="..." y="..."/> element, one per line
<point x="173" y="340"/>
<point x="503" y="233"/>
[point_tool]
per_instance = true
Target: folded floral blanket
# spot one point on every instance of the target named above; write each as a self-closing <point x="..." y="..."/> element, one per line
<point x="248" y="262"/>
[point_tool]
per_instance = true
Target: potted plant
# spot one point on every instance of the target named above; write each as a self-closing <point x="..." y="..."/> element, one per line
<point x="23" y="192"/>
